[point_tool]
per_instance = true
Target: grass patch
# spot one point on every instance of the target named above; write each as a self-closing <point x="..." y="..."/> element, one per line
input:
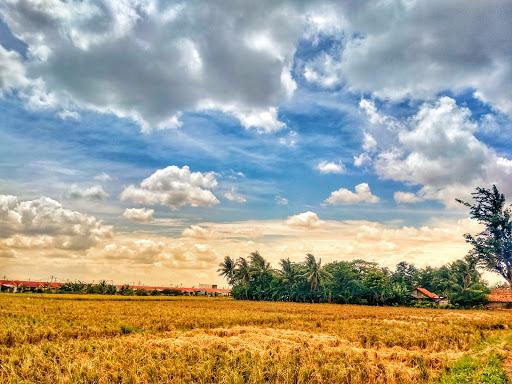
<point x="126" y="329"/>
<point x="477" y="370"/>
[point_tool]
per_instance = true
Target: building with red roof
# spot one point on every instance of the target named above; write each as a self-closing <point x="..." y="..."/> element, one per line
<point x="500" y="298"/>
<point x="43" y="286"/>
<point x="423" y="294"/>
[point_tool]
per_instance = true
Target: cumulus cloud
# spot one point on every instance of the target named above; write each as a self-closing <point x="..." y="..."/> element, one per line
<point x="140" y="251"/>
<point x="174" y="187"/>
<point x="12" y="71"/>
<point x="362" y="194"/>
<point x="44" y="222"/>
<point x="187" y="259"/>
<point x="68" y="115"/>
<point x="362" y="159"/>
<point x="265" y="120"/>
<point x="305" y="220"/>
<point x="141" y="215"/>
<point x="241" y="64"/>
<point x="330" y="167"/>
<point x="323" y="70"/>
<point x="280" y="200"/>
<point x="233" y="195"/>
<point x="158" y="252"/>
<point x="199" y="232"/>
<point x="369" y="142"/>
<point x="406" y="198"/>
<point x="95" y="55"/>
<point x="6" y="253"/>
<point x="387" y="44"/>
<point x="438" y="149"/>
<point x="103" y="176"/>
<point x="95" y="192"/>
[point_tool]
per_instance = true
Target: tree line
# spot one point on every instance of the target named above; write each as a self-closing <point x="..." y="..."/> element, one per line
<point x="363" y="282"/>
<point x="105" y="288"/>
<point x="351" y="282"/>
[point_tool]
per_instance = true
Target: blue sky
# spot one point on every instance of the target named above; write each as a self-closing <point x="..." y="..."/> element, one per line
<point x="251" y="122"/>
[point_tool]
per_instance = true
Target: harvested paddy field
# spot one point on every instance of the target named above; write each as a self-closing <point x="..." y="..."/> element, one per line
<point x="102" y="339"/>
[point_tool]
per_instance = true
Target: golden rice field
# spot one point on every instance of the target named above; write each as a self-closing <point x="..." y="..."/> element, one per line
<point x="98" y="339"/>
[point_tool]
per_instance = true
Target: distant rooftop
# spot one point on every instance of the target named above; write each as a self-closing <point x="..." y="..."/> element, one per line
<point x="427" y="293"/>
<point x="43" y="284"/>
<point x="500" y="295"/>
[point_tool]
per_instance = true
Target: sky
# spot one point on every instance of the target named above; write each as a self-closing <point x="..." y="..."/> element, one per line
<point x="144" y="140"/>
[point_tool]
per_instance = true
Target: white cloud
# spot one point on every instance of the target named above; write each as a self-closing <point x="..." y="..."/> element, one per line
<point x="140" y="251"/>
<point x="53" y="167"/>
<point x="12" y="71"/>
<point x="191" y="258"/>
<point x="95" y="56"/>
<point x="306" y="220"/>
<point x="263" y="120"/>
<point x="7" y="253"/>
<point x="174" y="187"/>
<point x="384" y="48"/>
<point x="323" y="70"/>
<point x="280" y="200"/>
<point x="104" y="177"/>
<point x="368" y="106"/>
<point x="330" y="167"/>
<point x="68" y="115"/>
<point x="362" y="159"/>
<point x="242" y="62"/>
<point x="438" y="150"/>
<point x="233" y="195"/>
<point x="369" y="142"/>
<point x="362" y="194"/>
<point x="95" y="192"/>
<point x="158" y="252"/>
<point x="406" y="197"/>
<point x="45" y="220"/>
<point x="290" y="140"/>
<point x="141" y="215"/>
<point x="199" y="232"/>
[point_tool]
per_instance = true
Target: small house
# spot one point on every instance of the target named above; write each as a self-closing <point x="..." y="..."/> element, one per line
<point x="500" y="298"/>
<point x="423" y="294"/>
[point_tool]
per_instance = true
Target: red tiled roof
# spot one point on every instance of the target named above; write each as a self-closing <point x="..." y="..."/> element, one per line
<point x="41" y="284"/>
<point x="500" y="295"/>
<point x="427" y="293"/>
<point x="181" y="289"/>
<point x="29" y="284"/>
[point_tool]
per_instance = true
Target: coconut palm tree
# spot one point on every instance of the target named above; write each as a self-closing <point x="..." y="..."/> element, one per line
<point x="289" y="277"/>
<point x="243" y="270"/>
<point x="243" y="275"/>
<point x="258" y="263"/>
<point x="288" y="273"/>
<point x="315" y="275"/>
<point x="227" y="269"/>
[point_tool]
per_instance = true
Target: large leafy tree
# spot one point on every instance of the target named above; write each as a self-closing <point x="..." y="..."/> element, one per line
<point x="492" y="247"/>
<point x="346" y="285"/>
<point x="465" y="285"/>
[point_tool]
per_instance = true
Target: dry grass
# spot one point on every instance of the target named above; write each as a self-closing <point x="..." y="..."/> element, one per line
<point x="88" y="339"/>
